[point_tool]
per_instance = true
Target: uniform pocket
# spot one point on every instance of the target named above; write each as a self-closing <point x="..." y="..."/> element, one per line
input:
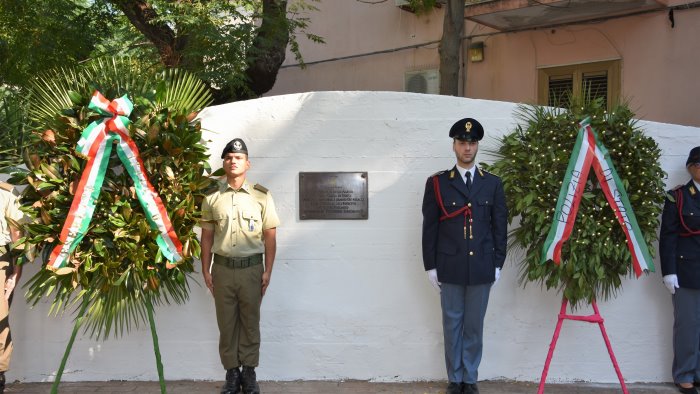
<point x="251" y="221"/>
<point x="446" y="248"/>
<point x="688" y="269"/>
<point x="484" y="208"/>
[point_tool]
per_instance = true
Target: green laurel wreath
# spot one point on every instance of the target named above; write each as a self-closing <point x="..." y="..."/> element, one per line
<point x="117" y="272"/>
<point x="532" y="161"/>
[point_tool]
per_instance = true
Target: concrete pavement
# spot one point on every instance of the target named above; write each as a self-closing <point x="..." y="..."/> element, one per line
<point x="340" y="387"/>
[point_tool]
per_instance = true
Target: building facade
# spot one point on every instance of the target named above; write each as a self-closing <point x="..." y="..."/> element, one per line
<point x="644" y="52"/>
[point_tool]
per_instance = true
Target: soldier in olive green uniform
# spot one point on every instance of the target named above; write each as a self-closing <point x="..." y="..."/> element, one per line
<point x="9" y="274"/>
<point x="238" y="228"/>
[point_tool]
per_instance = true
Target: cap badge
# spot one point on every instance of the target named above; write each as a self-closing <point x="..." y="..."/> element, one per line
<point x="468" y="126"/>
<point x="237" y="145"/>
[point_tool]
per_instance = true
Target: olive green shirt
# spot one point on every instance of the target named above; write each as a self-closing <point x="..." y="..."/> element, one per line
<point x="9" y="208"/>
<point x="238" y="218"/>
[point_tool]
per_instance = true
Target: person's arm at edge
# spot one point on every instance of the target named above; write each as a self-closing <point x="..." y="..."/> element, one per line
<point x="207" y="242"/>
<point x="270" y="239"/>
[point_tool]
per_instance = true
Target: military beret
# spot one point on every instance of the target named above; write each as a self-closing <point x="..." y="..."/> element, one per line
<point x="693" y="156"/>
<point x="236" y="145"/>
<point x="467" y="129"/>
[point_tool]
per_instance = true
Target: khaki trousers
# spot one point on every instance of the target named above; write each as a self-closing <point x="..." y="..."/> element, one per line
<point x="237" y="297"/>
<point x="5" y="337"/>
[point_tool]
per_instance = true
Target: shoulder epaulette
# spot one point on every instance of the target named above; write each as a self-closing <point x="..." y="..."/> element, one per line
<point x="260" y="188"/>
<point x="6" y="186"/>
<point x="438" y="173"/>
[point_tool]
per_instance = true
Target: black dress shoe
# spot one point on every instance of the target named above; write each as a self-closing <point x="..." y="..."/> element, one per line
<point x="686" y="390"/>
<point x="470" y="388"/>
<point x="454" y="388"/>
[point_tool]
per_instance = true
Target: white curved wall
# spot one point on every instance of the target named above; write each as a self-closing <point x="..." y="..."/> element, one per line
<point x="350" y="299"/>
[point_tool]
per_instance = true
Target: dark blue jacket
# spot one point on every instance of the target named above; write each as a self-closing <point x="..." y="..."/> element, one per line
<point x="458" y="260"/>
<point x="680" y="255"/>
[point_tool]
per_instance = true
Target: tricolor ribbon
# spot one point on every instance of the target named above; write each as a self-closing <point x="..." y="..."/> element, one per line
<point x="588" y="152"/>
<point x="96" y="145"/>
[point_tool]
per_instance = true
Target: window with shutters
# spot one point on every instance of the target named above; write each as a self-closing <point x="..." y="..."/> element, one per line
<point x="591" y="80"/>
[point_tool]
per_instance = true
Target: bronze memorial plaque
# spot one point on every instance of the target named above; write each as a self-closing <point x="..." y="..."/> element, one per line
<point x="333" y="195"/>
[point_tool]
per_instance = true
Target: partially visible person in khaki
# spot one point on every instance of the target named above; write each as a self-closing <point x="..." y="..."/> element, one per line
<point x="239" y="224"/>
<point x="10" y="215"/>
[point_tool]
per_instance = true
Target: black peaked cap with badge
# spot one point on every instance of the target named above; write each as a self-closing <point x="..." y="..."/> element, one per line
<point x="236" y="145"/>
<point x="693" y="156"/>
<point x="467" y="129"/>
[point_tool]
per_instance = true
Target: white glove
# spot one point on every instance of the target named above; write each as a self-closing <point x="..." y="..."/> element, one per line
<point x="498" y="275"/>
<point x="432" y="276"/>
<point x="671" y="282"/>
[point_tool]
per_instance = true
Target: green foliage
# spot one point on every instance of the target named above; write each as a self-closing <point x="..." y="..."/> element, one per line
<point x="117" y="267"/>
<point x="534" y="158"/>
<point x="216" y="39"/>
<point x="421" y="7"/>
<point x="12" y="131"/>
<point x="38" y="35"/>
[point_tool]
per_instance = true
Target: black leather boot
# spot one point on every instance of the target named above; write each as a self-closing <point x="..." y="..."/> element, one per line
<point x="249" y="382"/>
<point x="2" y="382"/>
<point x="233" y="382"/>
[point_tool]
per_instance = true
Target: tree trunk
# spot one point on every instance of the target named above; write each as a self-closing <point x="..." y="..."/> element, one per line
<point x="265" y="56"/>
<point x="451" y="47"/>
<point x="144" y="18"/>
<point x="268" y="51"/>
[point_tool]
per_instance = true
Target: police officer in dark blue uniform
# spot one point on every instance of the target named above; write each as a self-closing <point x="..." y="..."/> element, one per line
<point x="679" y="248"/>
<point x="464" y="247"/>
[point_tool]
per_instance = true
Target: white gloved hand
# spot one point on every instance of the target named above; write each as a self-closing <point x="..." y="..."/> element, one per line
<point x="432" y="276"/>
<point x="671" y="282"/>
<point x="498" y="275"/>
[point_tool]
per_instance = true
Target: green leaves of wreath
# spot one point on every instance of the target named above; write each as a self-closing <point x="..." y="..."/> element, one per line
<point x="117" y="269"/>
<point x="532" y="161"/>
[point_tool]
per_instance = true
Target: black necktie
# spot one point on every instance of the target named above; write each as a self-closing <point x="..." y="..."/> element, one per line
<point x="469" y="180"/>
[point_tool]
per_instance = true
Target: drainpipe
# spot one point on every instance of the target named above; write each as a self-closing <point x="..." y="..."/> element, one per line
<point x="464" y="58"/>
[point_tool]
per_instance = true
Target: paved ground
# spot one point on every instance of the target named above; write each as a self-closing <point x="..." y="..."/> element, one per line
<point x="343" y="387"/>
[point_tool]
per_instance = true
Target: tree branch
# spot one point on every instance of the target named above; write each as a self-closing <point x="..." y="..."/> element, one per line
<point x="145" y="18"/>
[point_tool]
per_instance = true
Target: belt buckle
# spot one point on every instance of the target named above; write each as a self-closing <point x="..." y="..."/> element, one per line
<point x="231" y="262"/>
<point x="244" y="262"/>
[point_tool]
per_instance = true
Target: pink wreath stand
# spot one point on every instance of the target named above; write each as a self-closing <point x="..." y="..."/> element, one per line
<point x="594" y="318"/>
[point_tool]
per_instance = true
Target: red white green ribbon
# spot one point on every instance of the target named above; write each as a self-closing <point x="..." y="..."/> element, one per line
<point x="96" y="145"/>
<point x="588" y="152"/>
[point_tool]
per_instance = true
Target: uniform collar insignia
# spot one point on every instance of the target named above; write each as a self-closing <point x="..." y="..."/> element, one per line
<point x="452" y="174"/>
<point x="692" y="190"/>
